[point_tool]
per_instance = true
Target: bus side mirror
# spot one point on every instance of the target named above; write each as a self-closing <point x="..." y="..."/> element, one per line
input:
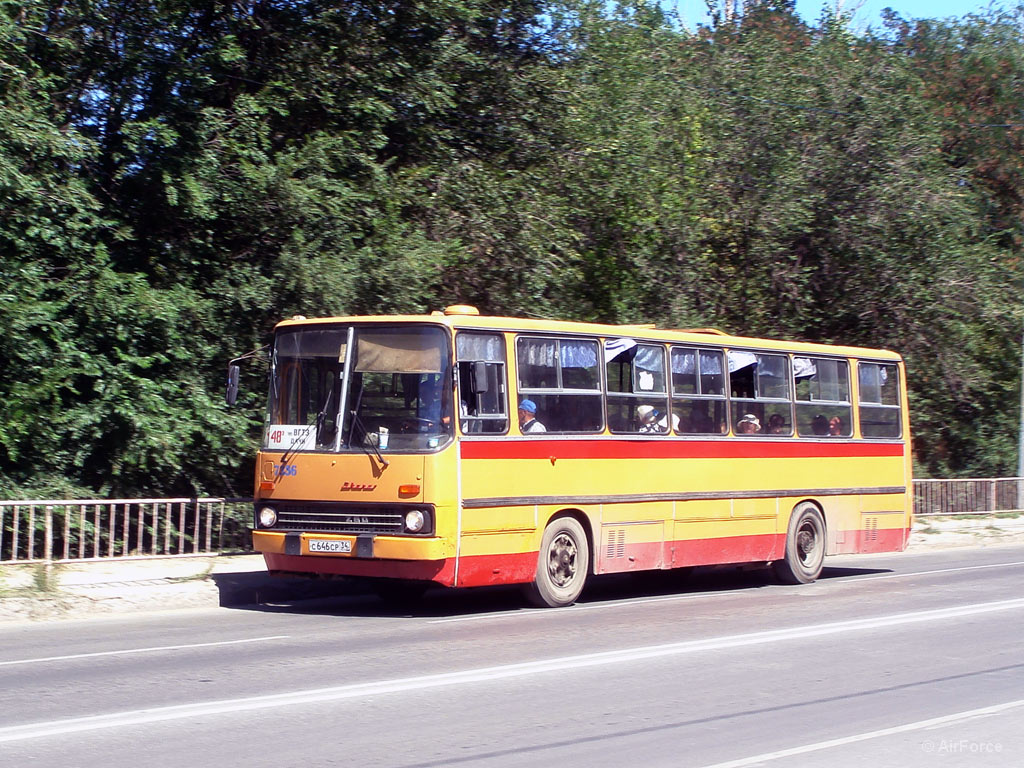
<point x="480" y="385"/>
<point x="231" y="394"/>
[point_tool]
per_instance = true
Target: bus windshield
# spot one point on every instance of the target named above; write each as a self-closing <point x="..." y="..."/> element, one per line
<point x="396" y="393"/>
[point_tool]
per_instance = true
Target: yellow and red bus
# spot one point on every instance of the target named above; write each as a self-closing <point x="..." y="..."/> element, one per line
<point x="468" y="450"/>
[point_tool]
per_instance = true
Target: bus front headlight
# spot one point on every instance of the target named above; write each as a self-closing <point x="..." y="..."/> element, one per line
<point x="268" y="517"/>
<point x="414" y="521"/>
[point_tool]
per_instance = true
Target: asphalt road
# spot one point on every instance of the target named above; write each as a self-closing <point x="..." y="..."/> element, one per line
<point x="892" y="660"/>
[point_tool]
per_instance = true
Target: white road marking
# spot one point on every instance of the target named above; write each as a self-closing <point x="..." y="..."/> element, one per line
<point x="590" y="606"/>
<point x="486" y="674"/>
<point x="929" y="573"/>
<point x="838" y="581"/>
<point x="124" y="651"/>
<point x="844" y="740"/>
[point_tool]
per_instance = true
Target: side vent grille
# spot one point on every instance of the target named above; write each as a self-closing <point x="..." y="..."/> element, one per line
<point x="616" y="546"/>
<point x="870" y="529"/>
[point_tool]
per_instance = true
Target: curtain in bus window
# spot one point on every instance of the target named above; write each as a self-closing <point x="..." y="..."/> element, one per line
<point x="540" y="352"/>
<point x="650" y="369"/>
<point x="803" y="367"/>
<point x="537" y="366"/>
<point x="710" y="362"/>
<point x="739" y="360"/>
<point x="472" y="346"/>
<point x="684" y="380"/>
<point x="579" y="354"/>
<point x="650" y="359"/>
<point x="682" y="360"/>
<point x="615" y="347"/>
<point x="579" y="365"/>
<point x="414" y="352"/>
<point x="712" y="382"/>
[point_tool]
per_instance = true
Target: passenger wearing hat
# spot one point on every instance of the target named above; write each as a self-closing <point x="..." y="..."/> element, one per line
<point x="748" y="425"/>
<point x="527" y="418"/>
<point x="653" y="420"/>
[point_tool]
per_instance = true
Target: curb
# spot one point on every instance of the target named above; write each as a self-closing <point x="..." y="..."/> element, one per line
<point x="96" y="588"/>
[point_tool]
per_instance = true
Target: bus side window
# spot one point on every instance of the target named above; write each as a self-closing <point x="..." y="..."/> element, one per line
<point x="761" y="398"/>
<point x="562" y="377"/>
<point x="879" y="400"/>
<point x="483" y="401"/>
<point x="698" y="391"/>
<point x="636" y="387"/>
<point x="823" y="406"/>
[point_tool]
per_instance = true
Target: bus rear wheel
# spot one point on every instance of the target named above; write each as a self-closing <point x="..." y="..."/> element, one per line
<point x="562" y="565"/>
<point x="805" y="547"/>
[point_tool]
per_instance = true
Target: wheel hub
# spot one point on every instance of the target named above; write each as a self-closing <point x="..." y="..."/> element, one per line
<point x="807" y="544"/>
<point x="562" y="560"/>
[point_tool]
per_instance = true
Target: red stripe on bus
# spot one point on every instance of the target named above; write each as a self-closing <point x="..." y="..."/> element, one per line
<point x="674" y="449"/>
<point x="520" y="567"/>
<point x="441" y="571"/>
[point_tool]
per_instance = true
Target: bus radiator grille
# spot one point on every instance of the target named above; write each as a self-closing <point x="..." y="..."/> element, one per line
<point x="338" y="519"/>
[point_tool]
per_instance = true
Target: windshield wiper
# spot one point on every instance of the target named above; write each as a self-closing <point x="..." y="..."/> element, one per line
<point x="318" y="422"/>
<point x="321" y="416"/>
<point x="363" y="442"/>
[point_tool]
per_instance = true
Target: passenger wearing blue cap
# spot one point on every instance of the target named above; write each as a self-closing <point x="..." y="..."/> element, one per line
<point x="527" y="418"/>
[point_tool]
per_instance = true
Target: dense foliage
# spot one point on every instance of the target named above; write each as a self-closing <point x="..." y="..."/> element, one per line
<point x="175" y="176"/>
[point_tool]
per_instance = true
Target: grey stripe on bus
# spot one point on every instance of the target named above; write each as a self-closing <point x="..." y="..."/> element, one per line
<point x="786" y="493"/>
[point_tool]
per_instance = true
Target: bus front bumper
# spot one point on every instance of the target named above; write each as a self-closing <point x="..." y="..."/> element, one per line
<point x="362" y="546"/>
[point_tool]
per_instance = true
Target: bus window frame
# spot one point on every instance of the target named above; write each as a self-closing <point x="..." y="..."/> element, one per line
<point x="531" y="392"/>
<point x="897" y="407"/>
<point x="503" y="363"/>
<point x="786" y="356"/>
<point x="699" y="396"/>
<point x="848" y="404"/>
<point x="660" y="399"/>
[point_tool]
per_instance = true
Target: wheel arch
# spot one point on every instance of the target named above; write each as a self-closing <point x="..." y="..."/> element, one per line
<point x="583" y="519"/>
<point x="817" y="504"/>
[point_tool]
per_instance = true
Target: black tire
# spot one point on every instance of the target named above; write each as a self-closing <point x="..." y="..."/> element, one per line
<point x="562" y="565"/>
<point x="805" y="546"/>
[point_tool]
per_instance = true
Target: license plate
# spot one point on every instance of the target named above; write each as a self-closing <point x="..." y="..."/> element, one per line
<point x="330" y="545"/>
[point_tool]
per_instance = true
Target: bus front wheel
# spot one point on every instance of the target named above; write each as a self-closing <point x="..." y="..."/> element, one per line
<point x="805" y="547"/>
<point x="562" y="565"/>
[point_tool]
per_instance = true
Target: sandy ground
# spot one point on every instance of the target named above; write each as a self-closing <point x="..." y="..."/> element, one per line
<point x="944" y="533"/>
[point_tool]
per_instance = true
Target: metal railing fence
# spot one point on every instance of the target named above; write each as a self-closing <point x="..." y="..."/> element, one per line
<point x="66" y="530"/>
<point x="968" y="496"/>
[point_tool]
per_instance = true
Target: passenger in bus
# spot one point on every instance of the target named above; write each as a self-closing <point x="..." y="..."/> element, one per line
<point x="748" y="425"/>
<point x="528" y="418"/>
<point x="777" y="424"/>
<point x="703" y="423"/>
<point x="430" y="407"/>
<point x="819" y="425"/>
<point x="653" y="420"/>
<point x="835" y="426"/>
